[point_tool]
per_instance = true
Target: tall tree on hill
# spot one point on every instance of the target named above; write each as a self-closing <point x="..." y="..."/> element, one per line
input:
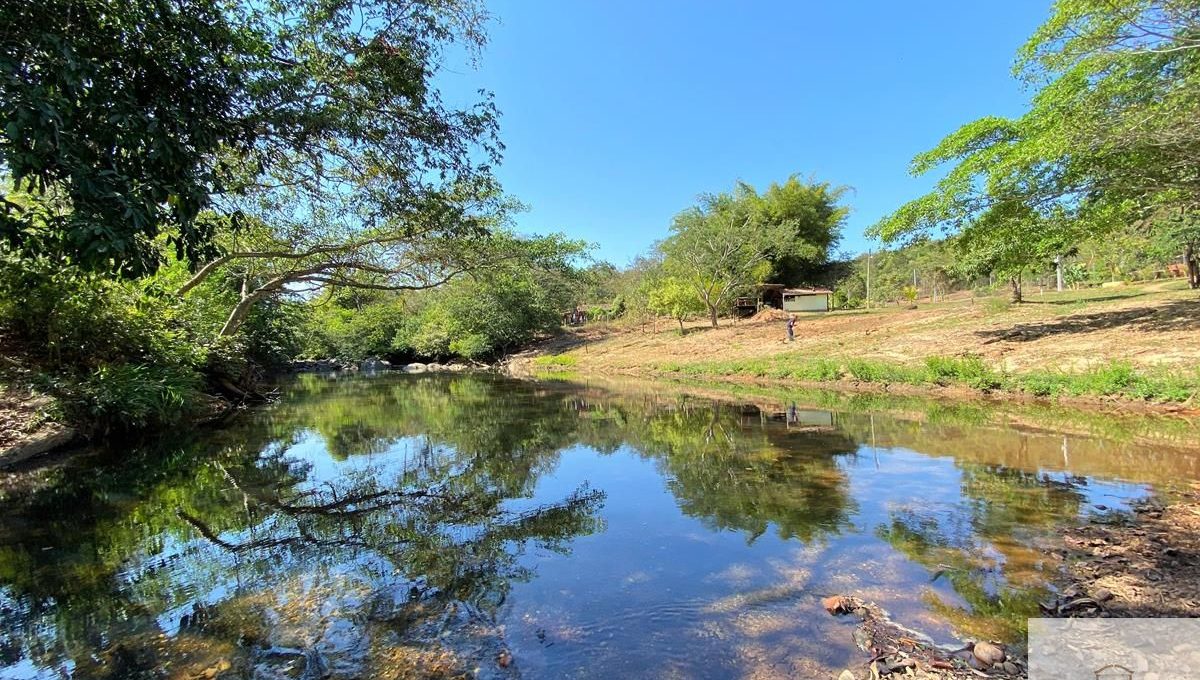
<point x="720" y="248"/>
<point x="1111" y="137"/>
<point x="813" y="217"/>
<point x="730" y="241"/>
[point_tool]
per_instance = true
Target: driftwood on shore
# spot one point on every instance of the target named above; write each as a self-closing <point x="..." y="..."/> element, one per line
<point x="894" y="650"/>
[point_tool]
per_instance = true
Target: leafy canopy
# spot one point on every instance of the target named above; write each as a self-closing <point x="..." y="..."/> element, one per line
<point x="145" y="113"/>
<point x="1111" y="135"/>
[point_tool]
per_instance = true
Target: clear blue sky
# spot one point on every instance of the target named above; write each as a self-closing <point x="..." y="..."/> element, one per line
<point x="618" y="113"/>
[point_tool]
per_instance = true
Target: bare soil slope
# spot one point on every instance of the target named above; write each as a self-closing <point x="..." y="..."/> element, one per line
<point x="1150" y="325"/>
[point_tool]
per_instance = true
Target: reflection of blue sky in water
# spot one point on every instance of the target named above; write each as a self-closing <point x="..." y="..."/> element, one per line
<point x="721" y="530"/>
<point x="660" y="590"/>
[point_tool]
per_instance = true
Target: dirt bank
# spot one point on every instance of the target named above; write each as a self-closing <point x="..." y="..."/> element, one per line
<point x="1150" y="329"/>
<point x="26" y="426"/>
<point x="1146" y="566"/>
<point x="1144" y="326"/>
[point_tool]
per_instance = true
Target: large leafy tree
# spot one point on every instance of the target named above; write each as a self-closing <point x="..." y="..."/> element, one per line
<point x="812" y="215"/>
<point x="124" y="105"/>
<point x="148" y="112"/>
<point x="730" y="241"/>
<point x="1110" y="138"/>
<point x="719" y="248"/>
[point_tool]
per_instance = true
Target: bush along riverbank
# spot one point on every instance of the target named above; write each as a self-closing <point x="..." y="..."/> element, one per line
<point x="101" y="357"/>
<point x="1113" y="380"/>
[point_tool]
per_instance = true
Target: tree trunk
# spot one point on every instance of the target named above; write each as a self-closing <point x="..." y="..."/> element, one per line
<point x="238" y="315"/>
<point x="680" y="320"/>
<point x="712" y="315"/>
<point x="1058" y="273"/>
<point x="1192" y="262"/>
<point x="1016" y="288"/>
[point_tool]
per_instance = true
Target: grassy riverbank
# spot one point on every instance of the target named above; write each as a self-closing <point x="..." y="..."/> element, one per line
<point x="1136" y="344"/>
<point x="1114" y="379"/>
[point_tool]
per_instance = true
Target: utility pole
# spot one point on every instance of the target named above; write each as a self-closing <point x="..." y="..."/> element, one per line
<point x="868" y="278"/>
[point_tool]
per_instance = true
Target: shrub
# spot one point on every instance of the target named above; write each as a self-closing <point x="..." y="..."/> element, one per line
<point x="882" y="372"/>
<point x="1113" y="378"/>
<point x="817" y="370"/>
<point x="557" y="361"/>
<point x="997" y="305"/>
<point x="968" y="370"/>
<point x="1042" y="384"/>
<point x="471" y="346"/>
<point x="125" y="397"/>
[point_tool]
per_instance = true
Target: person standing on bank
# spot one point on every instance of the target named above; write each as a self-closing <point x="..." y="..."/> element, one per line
<point x="791" y="328"/>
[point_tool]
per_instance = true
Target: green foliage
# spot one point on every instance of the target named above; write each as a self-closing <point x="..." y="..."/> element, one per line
<point x="340" y="328"/>
<point x="812" y="216"/>
<point x="936" y="264"/>
<point x="671" y="297"/>
<point x="1108" y="141"/>
<point x="556" y="361"/>
<point x="817" y="370"/>
<point x="727" y="243"/>
<point x="73" y="320"/>
<point x="1114" y="379"/>
<point x="125" y="106"/>
<point x="873" y="371"/>
<point x="121" y="355"/>
<point x="967" y="370"/>
<point x="119" y="397"/>
<point x="144" y="114"/>
<point x="478" y="317"/>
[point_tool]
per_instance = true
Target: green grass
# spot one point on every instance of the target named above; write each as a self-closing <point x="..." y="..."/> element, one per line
<point x="966" y="370"/>
<point x="1115" y="379"/>
<point x="556" y="361"/>
<point x="997" y="305"/>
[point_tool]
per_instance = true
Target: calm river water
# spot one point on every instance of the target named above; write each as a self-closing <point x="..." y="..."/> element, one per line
<point x="422" y="526"/>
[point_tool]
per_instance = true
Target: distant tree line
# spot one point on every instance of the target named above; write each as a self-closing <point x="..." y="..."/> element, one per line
<point x="724" y="245"/>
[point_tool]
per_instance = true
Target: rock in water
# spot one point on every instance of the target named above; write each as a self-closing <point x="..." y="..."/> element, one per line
<point x="862" y="639"/>
<point x="504" y="659"/>
<point x="988" y="654"/>
<point x="838" y="604"/>
<point x="846" y="675"/>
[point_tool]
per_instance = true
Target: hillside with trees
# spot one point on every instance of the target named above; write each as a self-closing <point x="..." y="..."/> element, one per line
<point x="198" y="192"/>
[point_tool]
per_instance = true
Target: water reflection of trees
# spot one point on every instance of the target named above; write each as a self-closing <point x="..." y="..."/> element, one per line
<point x="984" y="548"/>
<point x="189" y="531"/>
<point x="727" y="466"/>
<point x="106" y="552"/>
<point x="429" y="508"/>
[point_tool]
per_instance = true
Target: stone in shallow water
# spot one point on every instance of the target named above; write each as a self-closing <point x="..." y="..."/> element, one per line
<point x="988" y="654"/>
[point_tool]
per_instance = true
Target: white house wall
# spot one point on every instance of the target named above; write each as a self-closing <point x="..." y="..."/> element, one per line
<point x="806" y="303"/>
